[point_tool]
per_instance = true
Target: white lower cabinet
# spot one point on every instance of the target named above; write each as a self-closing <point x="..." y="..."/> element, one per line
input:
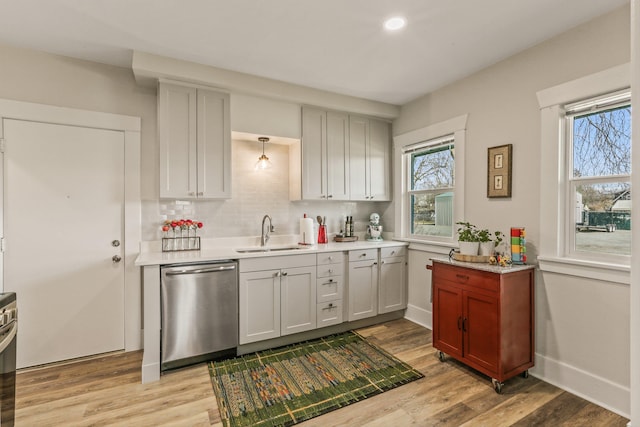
<point x="297" y="300"/>
<point x="284" y="295"/>
<point x="276" y="301"/>
<point x="259" y="295"/>
<point x="392" y="294"/>
<point x="363" y="284"/>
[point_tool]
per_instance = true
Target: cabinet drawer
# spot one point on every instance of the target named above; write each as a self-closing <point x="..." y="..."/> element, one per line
<point x="467" y="276"/>
<point x="329" y="289"/>
<point x="393" y="251"/>
<point x="363" y="255"/>
<point x="329" y="270"/>
<point x="330" y="258"/>
<point x="277" y="262"/>
<point x="329" y="313"/>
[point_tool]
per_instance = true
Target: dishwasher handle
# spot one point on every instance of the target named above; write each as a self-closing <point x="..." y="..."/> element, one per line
<point x="201" y="270"/>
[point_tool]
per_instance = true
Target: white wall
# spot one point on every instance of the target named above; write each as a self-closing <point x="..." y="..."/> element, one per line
<point x="582" y="326"/>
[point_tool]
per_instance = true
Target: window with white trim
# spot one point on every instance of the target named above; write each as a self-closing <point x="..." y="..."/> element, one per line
<point x="430" y="178"/>
<point x="598" y="177"/>
<point x="428" y="162"/>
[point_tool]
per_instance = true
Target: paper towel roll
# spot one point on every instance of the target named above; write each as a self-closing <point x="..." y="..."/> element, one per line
<point x="306" y="231"/>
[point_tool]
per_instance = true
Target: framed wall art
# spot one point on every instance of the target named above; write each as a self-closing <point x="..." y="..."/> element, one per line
<point x="499" y="171"/>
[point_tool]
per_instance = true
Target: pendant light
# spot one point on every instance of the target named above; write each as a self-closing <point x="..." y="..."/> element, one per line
<point x="263" y="161"/>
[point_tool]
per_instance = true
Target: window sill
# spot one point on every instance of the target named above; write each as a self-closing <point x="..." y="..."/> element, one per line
<point x="608" y="272"/>
<point x="428" y="245"/>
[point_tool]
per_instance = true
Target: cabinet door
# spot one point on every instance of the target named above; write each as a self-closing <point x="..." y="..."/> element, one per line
<point x="337" y="153"/>
<point x="481" y="330"/>
<point x="213" y="145"/>
<point x="392" y="296"/>
<point x="378" y="161"/>
<point x="314" y="143"/>
<point x="259" y="309"/>
<point x="358" y="139"/>
<point x="447" y="319"/>
<point x="363" y="289"/>
<point x="177" y="135"/>
<point x="298" y="299"/>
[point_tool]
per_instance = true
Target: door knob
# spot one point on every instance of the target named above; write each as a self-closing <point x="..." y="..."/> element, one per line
<point x="115" y="243"/>
<point x="116" y="258"/>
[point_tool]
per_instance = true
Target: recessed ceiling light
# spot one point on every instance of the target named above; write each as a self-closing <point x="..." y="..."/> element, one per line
<point x="395" y="23"/>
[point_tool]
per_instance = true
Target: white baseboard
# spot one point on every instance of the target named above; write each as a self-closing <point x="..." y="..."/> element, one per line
<point x="593" y="388"/>
<point x="419" y="315"/>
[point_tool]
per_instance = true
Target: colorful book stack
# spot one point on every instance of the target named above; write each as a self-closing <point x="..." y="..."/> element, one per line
<point x="518" y="245"/>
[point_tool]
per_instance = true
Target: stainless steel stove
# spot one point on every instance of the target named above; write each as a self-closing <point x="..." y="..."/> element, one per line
<point x="8" y="339"/>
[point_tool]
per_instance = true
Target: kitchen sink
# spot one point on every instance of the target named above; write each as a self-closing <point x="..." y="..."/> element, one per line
<point x="269" y="249"/>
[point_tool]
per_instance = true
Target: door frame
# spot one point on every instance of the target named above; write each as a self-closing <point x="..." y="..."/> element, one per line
<point x="130" y="126"/>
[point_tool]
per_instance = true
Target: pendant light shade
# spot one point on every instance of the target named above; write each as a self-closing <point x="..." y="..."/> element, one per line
<point x="263" y="161"/>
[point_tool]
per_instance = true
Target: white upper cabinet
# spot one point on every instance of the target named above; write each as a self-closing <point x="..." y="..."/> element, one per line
<point x="337" y="154"/>
<point x="195" y="143"/>
<point x="325" y="155"/>
<point x="369" y="159"/>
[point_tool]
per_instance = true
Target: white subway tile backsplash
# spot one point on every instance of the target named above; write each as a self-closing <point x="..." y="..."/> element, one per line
<point x="255" y="194"/>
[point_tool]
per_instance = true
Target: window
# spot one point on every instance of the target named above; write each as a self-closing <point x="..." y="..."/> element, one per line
<point x="598" y="171"/>
<point x="560" y="184"/>
<point x="428" y="162"/>
<point x="431" y="187"/>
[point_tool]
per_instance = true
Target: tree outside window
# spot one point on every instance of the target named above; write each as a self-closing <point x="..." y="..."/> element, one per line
<point x="432" y="188"/>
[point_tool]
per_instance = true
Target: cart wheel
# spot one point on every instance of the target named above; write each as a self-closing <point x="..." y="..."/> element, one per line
<point x="525" y="374"/>
<point x="441" y="356"/>
<point x="497" y="385"/>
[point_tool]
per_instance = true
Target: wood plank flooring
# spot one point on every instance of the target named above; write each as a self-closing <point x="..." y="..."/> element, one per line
<point x="106" y="391"/>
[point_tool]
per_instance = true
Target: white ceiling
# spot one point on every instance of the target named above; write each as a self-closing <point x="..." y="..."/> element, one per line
<point x="335" y="45"/>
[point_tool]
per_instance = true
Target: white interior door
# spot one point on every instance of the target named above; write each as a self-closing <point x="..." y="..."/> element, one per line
<point x="64" y="194"/>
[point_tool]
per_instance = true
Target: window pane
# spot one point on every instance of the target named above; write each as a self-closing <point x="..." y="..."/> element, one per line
<point x="432" y="214"/>
<point x="433" y="168"/>
<point x="602" y="143"/>
<point x="603" y="218"/>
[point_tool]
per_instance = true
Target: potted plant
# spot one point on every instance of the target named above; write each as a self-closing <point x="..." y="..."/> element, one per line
<point x="468" y="238"/>
<point x="498" y="239"/>
<point x="486" y="244"/>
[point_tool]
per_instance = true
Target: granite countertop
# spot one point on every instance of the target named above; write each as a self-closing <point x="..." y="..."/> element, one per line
<point x="228" y="251"/>
<point x="485" y="266"/>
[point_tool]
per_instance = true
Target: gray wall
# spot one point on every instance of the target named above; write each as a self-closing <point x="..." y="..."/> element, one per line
<point x="582" y="325"/>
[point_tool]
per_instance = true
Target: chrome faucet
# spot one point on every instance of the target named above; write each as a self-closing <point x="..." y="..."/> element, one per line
<point x="264" y="238"/>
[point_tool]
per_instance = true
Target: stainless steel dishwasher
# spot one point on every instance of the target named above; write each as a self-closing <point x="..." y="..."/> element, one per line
<point x="199" y="312"/>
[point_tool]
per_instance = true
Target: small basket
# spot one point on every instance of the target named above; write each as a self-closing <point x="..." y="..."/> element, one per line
<point x="179" y="244"/>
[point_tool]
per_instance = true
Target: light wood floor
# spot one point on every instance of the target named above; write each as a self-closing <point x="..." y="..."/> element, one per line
<point x="107" y="391"/>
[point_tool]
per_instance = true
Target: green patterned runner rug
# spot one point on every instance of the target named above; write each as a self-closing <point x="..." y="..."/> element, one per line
<point x="287" y="385"/>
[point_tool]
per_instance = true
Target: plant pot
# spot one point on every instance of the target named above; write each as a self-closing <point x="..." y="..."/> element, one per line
<point x="486" y="248"/>
<point x="469" y="248"/>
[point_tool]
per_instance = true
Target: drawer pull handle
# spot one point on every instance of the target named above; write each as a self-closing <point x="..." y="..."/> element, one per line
<point x="329" y="307"/>
<point x="330" y="258"/>
<point x="464" y="325"/>
<point x="363" y="255"/>
<point x="330" y="271"/>
<point x="393" y="252"/>
<point x="462" y="276"/>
